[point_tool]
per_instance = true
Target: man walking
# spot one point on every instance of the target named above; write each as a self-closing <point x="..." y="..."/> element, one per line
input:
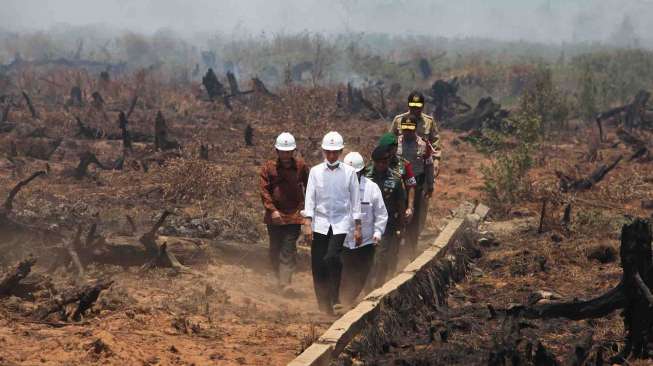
<point x="357" y="260"/>
<point x="394" y="198"/>
<point x="282" y="182"/>
<point x="418" y="151"/>
<point x="426" y="126"/>
<point x="404" y="168"/>
<point x="331" y="206"/>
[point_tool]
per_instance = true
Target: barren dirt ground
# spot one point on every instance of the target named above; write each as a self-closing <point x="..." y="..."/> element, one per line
<point x="227" y="312"/>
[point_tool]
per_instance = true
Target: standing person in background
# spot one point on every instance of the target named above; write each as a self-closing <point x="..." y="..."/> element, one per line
<point x="394" y="199"/>
<point x="332" y="204"/>
<point x="418" y="151"/>
<point x="357" y="260"/>
<point x="282" y="182"/>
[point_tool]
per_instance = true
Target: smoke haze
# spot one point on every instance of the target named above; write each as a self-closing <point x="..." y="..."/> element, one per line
<point x="546" y="21"/>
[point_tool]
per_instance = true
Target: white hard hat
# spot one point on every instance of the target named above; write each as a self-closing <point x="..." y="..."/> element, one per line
<point x="355" y="160"/>
<point x="333" y="141"/>
<point x="285" y="142"/>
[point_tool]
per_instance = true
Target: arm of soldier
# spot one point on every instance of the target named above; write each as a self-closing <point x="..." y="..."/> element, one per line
<point x="394" y="127"/>
<point x="410" y="184"/>
<point x="380" y="213"/>
<point x="434" y="139"/>
<point x="429" y="177"/>
<point x="400" y="198"/>
<point x="265" y="188"/>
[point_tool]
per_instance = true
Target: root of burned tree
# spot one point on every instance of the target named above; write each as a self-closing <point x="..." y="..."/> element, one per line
<point x="632" y="294"/>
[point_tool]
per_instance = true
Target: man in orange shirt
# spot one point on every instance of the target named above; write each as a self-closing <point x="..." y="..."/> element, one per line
<point x="282" y="185"/>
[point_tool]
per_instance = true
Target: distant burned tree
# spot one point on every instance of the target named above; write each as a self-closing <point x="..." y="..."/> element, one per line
<point x="126" y="137"/>
<point x="249" y="135"/>
<point x="212" y="85"/>
<point x="161" y="140"/>
<point x="425" y="68"/>
<point x="76" y="96"/>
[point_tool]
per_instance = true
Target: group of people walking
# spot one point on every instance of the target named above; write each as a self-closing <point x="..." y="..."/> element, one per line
<point x="354" y="215"/>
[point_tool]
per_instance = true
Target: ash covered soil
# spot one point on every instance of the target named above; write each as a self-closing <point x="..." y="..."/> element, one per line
<point x="226" y="309"/>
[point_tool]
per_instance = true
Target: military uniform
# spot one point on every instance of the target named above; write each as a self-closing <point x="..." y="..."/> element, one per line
<point x="427" y="128"/>
<point x="394" y="198"/>
<point x="420" y="155"/>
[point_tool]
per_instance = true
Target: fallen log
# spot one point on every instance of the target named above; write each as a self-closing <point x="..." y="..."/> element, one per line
<point x="635" y="113"/>
<point x="86" y="131"/>
<point x="568" y="183"/>
<point x="86" y="295"/>
<point x="10" y="280"/>
<point x="487" y="113"/>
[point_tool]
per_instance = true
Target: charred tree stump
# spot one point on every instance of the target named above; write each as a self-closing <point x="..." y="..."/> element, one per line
<point x="76" y="98"/>
<point x="132" y="106"/>
<point x="85" y="160"/>
<point x="98" y="101"/>
<point x="161" y="141"/>
<point x="635" y="111"/>
<point x="126" y="137"/>
<point x="632" y="294"/>
<point x="204" y="152"/>
<point x="30" y="106"/>
<point x="5" y="112"/>
<point x="424" y="68"/>
<point x="214" y="88"/>
<point x="566" y="218"/>
<point x="7" y="207"/>
<point x="233" y="84"/>
<point x="540" y="228"/>
<point x="249" y="135"/>
<point x="568" y="183"/>
<point x="160" y="256"/>
<point x="10" y="280"/>
<point x="259" y="87"/>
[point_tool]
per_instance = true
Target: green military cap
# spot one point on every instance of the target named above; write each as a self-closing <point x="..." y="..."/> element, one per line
<point x="388" y="139"/>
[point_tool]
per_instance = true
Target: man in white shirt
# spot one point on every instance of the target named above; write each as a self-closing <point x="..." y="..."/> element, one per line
<point x="357" y="260"/>
<point x="330" y="206"/>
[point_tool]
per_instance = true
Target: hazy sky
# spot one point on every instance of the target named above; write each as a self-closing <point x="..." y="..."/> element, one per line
<point x="538" y="20"/>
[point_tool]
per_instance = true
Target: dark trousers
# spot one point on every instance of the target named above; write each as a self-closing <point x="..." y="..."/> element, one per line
<point x="327" y="267"/>
<point x="356" y="266"/>
<point x="386" y="259"/>
<point x="414" y="227"/>
<point x="283" y="251"/>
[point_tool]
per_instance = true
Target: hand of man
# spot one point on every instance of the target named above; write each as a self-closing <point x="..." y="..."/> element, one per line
<point x="276" y="218"/>
<point x="409" y="215"/>
<point x="377" y="239"/>
<point x="358" y="235"/>
<point x="436" y="168"/>
<point x="308" y="233"/>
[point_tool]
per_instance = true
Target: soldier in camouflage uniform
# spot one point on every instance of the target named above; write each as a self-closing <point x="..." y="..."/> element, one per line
<point x="394" y="198"/>
<point x="420" y="154"/>
<point x="426" y="126"/>
<point x="404" y="169"/>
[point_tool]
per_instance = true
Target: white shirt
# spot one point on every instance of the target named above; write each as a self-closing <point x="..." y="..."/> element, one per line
<point x="374" y="215"/>
<point x="332" y="198"/>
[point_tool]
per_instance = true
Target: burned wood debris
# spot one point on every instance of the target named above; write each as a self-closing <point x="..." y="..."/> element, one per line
<point x="568" y="183"/>
<point x="636" y="114"/>
<point x="632" y="294"/>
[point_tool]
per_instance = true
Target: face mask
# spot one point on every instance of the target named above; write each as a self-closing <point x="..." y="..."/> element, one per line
<point x="334" y="165"/>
